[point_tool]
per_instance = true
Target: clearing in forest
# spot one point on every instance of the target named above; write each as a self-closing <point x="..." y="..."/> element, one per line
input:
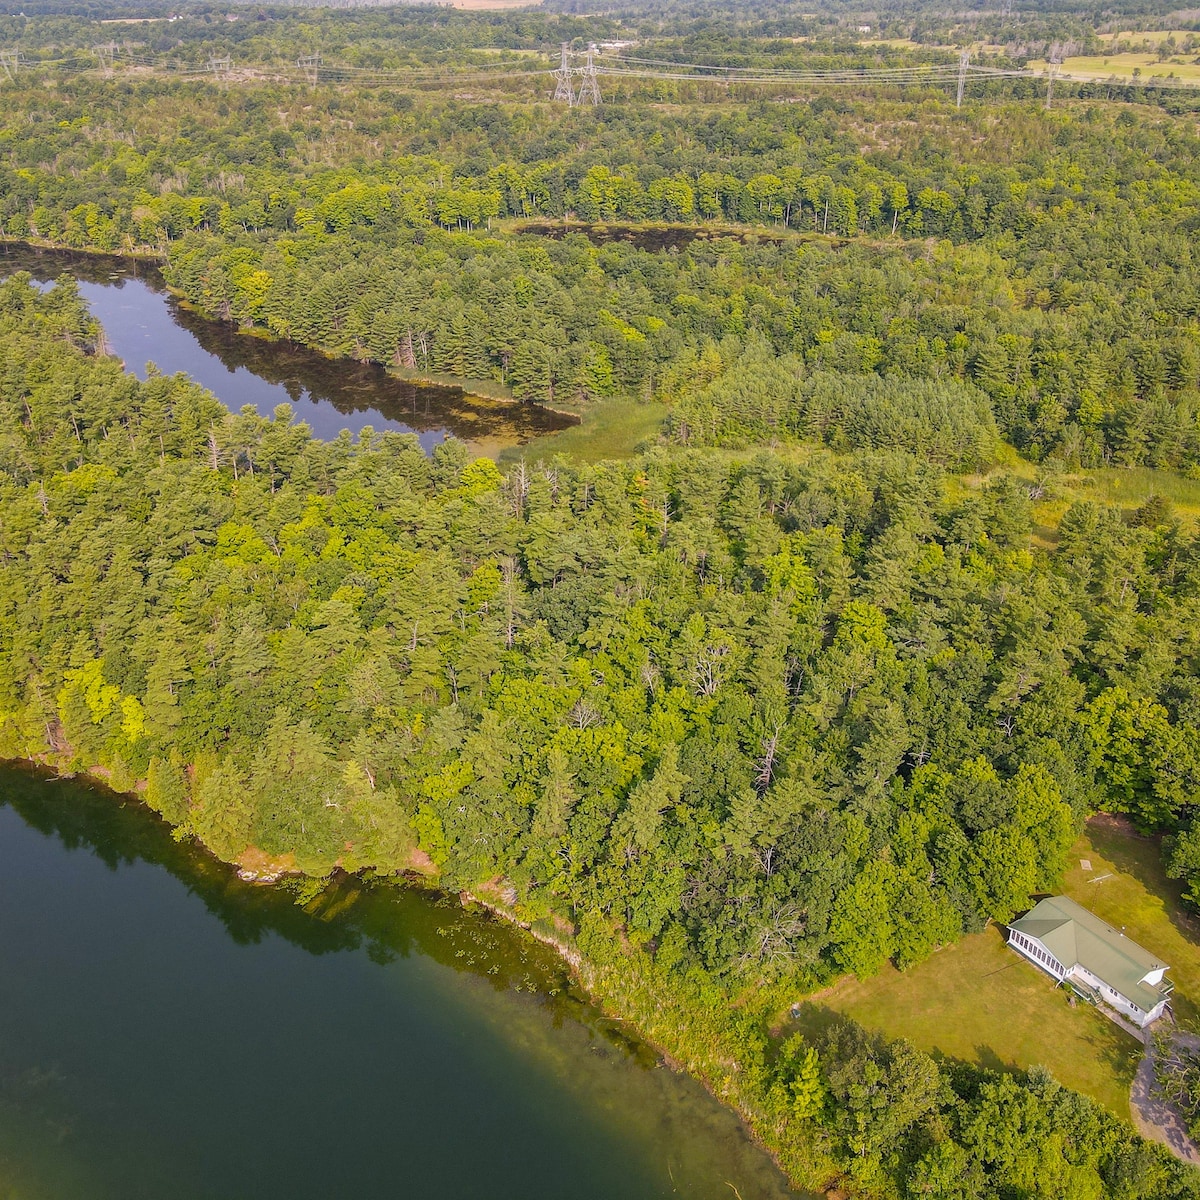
<point x="979" y="1002"/>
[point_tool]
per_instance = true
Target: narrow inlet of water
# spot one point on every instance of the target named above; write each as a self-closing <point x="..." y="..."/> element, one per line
<point x="143" y="323"/>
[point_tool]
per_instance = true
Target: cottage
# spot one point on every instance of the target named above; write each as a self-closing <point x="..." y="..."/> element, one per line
<point x="1073" y="945"/>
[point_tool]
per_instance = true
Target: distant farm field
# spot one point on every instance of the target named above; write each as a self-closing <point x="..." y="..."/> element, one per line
<point x="486" y="5"/>
<point x="1123" y="66"/>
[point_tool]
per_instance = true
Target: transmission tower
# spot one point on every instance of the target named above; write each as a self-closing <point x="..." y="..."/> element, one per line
<point x="221" y="67"/>
<point x="1055" y="63"/>
<point x="310" y="64"/>
<point x="10" y="63"/>
<point x="589" y="85"/>
<point x="106" y="52"/>
<point x="963" y="59"/>
<point x="563" y="89"/>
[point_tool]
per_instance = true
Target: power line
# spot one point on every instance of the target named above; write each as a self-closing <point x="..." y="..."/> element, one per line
<point x="310" y="64"/>
<point x="221" y="67"/>
<point x="311" y="68"/>
<point x="1055" y="61"/>
<point x="589" y="84"/>
<point x="106" y="52"/>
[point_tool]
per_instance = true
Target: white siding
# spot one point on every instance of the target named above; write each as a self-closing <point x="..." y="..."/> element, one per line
<point x="1032" y="949"/>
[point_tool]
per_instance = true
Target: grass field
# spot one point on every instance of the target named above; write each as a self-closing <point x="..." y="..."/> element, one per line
<point x="1133" y="486"/>
<point x="1153" y="36"/>
<point x="609" y="429"/>
<point x="977" y="1001"/>
<point x="1122" y="66"/>
<point x="1127" y="488"/>
<point x="487" y="5"/>
<point x="1138" y="896"/>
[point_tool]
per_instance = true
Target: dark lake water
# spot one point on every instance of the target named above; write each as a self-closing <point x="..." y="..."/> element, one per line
<point x="144" y="323"/>
<point x="646" y="237"/>
<point x="168" y="1031"/>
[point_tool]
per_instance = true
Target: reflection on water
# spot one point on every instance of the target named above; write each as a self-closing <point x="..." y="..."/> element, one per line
<point x="168" y="1030"/>
<point x="143" y="323"/>
<point x="646" y="237"/>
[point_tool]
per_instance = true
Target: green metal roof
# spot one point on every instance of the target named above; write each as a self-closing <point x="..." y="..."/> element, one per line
<point x="1075" y="936"/>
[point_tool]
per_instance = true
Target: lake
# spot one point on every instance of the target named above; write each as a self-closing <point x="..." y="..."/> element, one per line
<point x="167" y="1030"/>
<point x="144" y="323"/>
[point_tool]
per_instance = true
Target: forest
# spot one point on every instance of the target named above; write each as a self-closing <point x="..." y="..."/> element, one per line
<point x="772" y="720"/>
<point x="792" y="692"/>
<point x="1038" y="265"/>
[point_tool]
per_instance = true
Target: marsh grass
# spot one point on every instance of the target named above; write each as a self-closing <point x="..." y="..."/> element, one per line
<point x="608" y="429"/>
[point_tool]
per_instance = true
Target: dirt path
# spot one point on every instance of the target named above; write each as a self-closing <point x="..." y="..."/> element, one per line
<point x="1154" y="1118"/>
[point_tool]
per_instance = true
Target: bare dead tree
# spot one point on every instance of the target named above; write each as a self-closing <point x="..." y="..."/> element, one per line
<point x="766" y="764"/>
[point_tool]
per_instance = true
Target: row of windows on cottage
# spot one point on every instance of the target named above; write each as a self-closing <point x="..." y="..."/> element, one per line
<point x="1037" y="952"/>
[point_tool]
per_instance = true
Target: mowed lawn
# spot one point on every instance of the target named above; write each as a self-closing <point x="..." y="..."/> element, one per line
<point x="1138" y="896"/>
<point x="977" y="1001"/>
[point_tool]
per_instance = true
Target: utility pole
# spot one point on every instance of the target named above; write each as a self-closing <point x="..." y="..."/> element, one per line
<point x="589" y="85"/>
<point x="106" y="52"/>
<point x="310" y="64"/>
<point x="963" y="59"/>
<point x="563" y="89"/>
<point x="10" y="63"/>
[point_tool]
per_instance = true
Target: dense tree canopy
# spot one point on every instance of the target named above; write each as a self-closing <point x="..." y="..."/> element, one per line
<point x="772" y="719"/>
<point x="1038" y="265"/>
<point x="793" y="692"/>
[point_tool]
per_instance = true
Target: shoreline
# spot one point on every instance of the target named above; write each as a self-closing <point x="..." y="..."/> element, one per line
<point x="488" y="391"/>
<point x="581" y="971"/>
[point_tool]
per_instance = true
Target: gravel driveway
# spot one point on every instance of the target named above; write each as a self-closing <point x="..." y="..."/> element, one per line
<point x="1153" y="1117"/>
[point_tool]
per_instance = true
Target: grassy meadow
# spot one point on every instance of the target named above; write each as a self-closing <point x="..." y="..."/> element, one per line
<point x="608" y="429"/>
<point x="1132" y="64"/>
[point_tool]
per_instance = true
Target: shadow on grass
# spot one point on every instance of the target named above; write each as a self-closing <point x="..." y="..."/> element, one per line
<point x="988" y="1059"/>
<point x="1140" y="856"/>
<point x="816" y="1020"/>
<point x="813" y="1021"/>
